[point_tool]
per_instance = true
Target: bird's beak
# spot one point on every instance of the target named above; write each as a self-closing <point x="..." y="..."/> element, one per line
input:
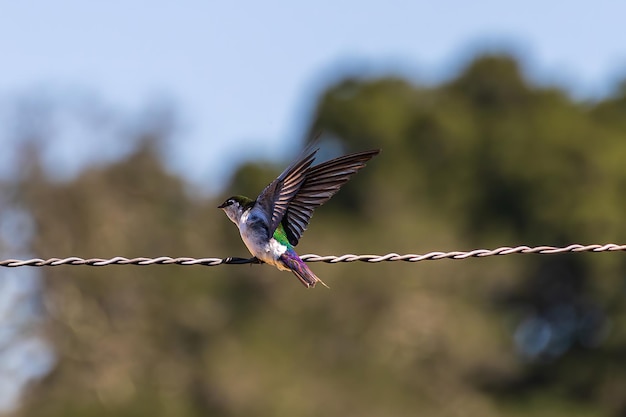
<point x="222" y="205"/>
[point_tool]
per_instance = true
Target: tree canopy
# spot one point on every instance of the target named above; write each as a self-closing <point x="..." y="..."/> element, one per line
<point x="485" y="160"/>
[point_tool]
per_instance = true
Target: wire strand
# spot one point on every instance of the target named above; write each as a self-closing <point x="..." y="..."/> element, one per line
<point x="390" y="257"/>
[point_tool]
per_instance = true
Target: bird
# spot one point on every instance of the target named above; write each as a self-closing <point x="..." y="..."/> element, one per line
<point x="272" y="224"/>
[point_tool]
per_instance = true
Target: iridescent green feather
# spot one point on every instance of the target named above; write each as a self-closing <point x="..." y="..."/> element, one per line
<point x="281" y="236"/>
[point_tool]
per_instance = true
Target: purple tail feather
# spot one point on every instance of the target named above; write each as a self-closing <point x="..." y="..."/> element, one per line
<point x="292" y="261"/>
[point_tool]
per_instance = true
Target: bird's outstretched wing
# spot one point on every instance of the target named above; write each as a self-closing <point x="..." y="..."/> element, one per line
<point x="319" y="184"/>
<point x="274" y="200"/>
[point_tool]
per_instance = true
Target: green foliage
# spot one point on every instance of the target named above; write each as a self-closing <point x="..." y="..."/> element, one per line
<point x="485" y="160"/>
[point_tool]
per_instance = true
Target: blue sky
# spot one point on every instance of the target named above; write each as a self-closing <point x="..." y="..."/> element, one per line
<point x="245" y="75"/>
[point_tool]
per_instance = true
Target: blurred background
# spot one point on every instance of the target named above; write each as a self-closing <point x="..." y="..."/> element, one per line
<point x="124" y="124"/>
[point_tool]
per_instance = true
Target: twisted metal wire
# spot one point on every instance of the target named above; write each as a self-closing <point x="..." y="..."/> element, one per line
<point x="390" y="257"/>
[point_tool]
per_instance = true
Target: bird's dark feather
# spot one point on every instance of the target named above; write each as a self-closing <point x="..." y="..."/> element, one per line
<point x="277" y="196"/>
<point x="320" y="183"/>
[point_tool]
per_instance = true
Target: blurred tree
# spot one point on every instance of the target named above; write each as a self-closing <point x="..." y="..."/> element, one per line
<point x="508" y="162"/>
<point x="486" y="160"/>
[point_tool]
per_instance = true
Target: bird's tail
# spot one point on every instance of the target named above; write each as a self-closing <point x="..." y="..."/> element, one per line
<point x="300" y="269"/>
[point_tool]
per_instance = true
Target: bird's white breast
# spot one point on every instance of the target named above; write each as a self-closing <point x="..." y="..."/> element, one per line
<point x="257" y="243"/>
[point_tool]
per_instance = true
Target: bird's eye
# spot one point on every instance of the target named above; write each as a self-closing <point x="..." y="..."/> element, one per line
<point x="226" y="203"/>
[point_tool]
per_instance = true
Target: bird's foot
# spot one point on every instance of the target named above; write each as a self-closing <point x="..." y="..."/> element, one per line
<point x="255" y="260"/>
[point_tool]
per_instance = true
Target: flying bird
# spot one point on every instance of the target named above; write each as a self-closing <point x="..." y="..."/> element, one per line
<point x="272" y="225"/>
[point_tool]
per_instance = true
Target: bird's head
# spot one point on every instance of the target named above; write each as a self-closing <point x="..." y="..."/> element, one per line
<point x="235" y="206"/>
